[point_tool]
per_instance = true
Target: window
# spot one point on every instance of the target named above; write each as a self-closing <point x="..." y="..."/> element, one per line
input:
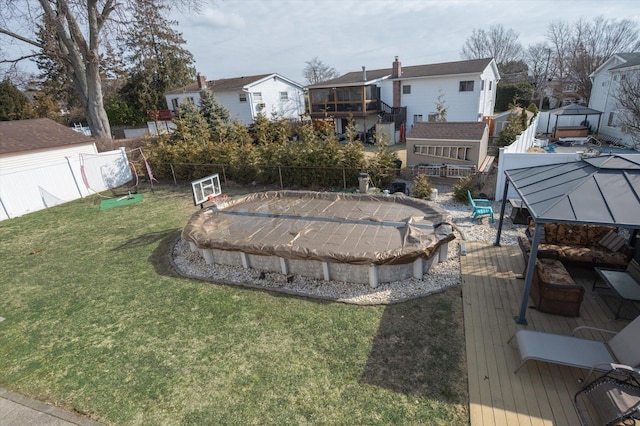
<point x="174" y="104"/>
<point x="284" y="96"/>
<point x="462" y="153"/>
<point x="466" y="86"/>
<point x="417" y="118"/>
<point x="243" y="97"/>
<point x="612" y="119"/>
<point x="490" y="84"/>
<point x="257" y="96"/>
<point x="481" y="85"/>
<point x="191" y="100"/>
<point x="406" y="89"/>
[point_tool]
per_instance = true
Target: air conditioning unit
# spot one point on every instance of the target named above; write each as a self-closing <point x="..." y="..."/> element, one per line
<point x="261" y="106"/>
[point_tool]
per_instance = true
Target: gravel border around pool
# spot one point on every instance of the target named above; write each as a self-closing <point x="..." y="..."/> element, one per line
<point x="440" y="277"/>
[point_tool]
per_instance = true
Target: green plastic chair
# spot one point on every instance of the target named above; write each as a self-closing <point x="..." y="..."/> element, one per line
<point x="481" y="207"/>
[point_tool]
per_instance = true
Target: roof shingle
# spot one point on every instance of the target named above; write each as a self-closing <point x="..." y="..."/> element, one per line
<point x="417" y="71"/>
<point x="38" y="133"/>
<point x="472" y="131"/>
<point x="221" y="85"/>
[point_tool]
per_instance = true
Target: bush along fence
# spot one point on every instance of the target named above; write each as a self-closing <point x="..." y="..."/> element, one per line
<point x="286" y="177"/>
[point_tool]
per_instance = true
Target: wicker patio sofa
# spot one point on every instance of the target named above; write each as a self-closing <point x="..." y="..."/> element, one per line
<point x="587" y="245"/>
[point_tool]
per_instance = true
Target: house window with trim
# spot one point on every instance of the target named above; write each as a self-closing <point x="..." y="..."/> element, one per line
<point x="417" y="118"/>
<point x="284" y="96"/>
<point x="257" y="96"/>
<point x="243" y="97"/>
<point x="174" y="104"/>
<point x="191" y="100"/>
<point x="466" y="86"/>
<point x="611" y="122"/>
<point x="482" y="85"/>
<point x="406" y="89"/>
<point x="490" y="84"/>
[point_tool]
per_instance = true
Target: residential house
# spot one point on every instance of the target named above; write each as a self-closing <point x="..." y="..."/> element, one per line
<point x="39" y="165"/>
<point x="246" y="97"/>
<point x="441" y="145"/>
<point x="407" y="95"/>
<point x="605" y="88"/>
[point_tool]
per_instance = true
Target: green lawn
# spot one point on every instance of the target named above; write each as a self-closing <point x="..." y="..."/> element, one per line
<point x="97" y="322"/>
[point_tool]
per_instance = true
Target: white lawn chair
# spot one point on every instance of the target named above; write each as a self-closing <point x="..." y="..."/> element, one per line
<point x="622" y="348"/>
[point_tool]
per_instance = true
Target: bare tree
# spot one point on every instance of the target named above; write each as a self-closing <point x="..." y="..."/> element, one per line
<point x="538" y="57"/>
<point x="317" y="72"/>
<point x="628" y="97"/>
<point x="579" y="49"/>
<point x="79" y="27"/>
<point x="498" y="43"/>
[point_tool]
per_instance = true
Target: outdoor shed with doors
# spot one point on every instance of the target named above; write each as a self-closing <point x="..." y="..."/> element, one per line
<point x="461" y="144"/>
<point x="602" y="190"/>
<point x="36" y="161"/>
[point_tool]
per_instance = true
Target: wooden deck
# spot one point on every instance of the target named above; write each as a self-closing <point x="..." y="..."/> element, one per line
<point x="540" y="393"/>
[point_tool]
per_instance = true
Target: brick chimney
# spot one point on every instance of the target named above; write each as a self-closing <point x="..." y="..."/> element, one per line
<point x="202" y="81"/>
<point x="397" y="84"/>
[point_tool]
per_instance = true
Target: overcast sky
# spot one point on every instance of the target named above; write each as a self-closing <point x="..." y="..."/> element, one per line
<point x="236" y="38"/>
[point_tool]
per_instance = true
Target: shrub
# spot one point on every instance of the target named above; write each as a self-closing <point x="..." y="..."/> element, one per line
<point x="422" y="187"/>
<point x="460" y="189"/>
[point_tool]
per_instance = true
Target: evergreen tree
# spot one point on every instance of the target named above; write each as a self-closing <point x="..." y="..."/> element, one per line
<point x="14" y="104"/>
<point x="212" y="111"/>
<point x="191" y="127"/>
<point x="157" y="61"/>
<point x="441" y="109"/>
<point x="513" y="127"/>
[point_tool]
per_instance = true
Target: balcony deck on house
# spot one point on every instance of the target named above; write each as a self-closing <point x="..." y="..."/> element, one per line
<point x="540" y="393"/>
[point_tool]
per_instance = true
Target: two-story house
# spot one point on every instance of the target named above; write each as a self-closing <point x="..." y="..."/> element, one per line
<point x="246" y="97"/>
<point x="604" y="92"/>
<point x="407" y="95"/>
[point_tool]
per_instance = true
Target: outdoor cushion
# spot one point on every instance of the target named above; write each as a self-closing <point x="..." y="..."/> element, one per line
<point x="613" y="241"/>
<point x="596" y="233"/>
<point x="572" y="234"/>
<point x="551" y="271"/>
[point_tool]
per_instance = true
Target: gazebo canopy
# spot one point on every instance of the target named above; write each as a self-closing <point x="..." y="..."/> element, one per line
<point x="601" y="190"/>
<point x="575" y="109"/>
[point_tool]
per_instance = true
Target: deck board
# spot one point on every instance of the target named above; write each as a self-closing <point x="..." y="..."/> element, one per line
<point x="541" y="393"/>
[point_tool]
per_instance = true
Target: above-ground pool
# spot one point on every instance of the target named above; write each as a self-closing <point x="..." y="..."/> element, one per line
<point x="332" y="236"/>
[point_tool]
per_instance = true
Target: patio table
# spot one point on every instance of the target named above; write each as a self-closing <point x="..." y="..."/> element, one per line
<point x="623" y="286"/>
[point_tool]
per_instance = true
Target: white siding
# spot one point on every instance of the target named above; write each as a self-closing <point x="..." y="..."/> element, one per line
<point x="37" y="184"/>
<point x="245" y="112"/>
<point x="240" y="111"/>
<point x="603" y="98"/>
<point x="461" y="106"/>
<point x="43" y="157"/>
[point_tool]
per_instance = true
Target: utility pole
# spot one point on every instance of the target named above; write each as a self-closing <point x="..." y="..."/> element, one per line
<point x="544" y="80"/>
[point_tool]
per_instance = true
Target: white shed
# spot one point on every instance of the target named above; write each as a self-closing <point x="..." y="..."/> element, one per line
<point x="39" y="165"/>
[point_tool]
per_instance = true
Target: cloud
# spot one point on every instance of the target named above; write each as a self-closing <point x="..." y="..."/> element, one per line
<point x="215" y="18"/>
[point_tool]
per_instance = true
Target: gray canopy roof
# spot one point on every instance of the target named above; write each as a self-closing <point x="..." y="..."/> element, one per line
<point x="575" y="109"/>
<point x="601" y="190"/>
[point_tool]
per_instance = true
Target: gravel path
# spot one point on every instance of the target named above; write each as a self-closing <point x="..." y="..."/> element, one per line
<point x="441" y="276"/>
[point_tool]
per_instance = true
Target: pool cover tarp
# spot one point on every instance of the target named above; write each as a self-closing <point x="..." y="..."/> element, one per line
<point x="332" y="227"/>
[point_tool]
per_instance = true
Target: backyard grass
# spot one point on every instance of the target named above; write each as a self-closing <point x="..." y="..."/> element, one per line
<point x="97" y="322"/>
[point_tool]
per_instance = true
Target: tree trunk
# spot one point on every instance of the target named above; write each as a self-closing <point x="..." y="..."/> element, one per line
<point x="93" y="104"/>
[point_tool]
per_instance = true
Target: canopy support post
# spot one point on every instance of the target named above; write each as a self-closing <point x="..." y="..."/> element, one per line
<point x="531" y="269"/>
<point x="504" y="204"/>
